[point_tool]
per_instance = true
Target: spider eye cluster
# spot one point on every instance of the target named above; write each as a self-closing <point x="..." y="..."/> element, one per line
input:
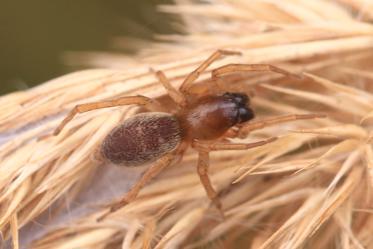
<point x="242" y="101"/>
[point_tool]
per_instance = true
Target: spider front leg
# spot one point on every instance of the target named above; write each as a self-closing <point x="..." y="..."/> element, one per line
<point x="239" y="68"/>
<point x="204" y="149"/>
<point x="193" y="76"/>
<point x="130" y="100"/>
<point x="245" y="128"/>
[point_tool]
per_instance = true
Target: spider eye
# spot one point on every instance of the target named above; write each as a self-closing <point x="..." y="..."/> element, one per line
<point x="245" y="114"/>
<point x="240" y="98"/>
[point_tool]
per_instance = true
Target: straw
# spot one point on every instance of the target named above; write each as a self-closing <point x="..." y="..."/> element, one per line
<point x="310" y="188"/>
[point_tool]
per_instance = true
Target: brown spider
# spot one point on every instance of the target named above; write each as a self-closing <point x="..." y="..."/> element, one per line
<point x="201" y="122"/>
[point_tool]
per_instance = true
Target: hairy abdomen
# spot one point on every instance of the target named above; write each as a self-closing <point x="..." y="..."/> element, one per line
<point x="142" y="139"/>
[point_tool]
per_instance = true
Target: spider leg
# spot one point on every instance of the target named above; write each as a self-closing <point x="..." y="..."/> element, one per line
<point x="239" y="68"/>
<point x="193" y="76"/>
<point x="244" y="129"/>
<point x="202" y="170"/>
<point x="203" y="163"/>
<point x="149" y="174"/>
<point x="128" y="100"/>
<point x="198" y="145"/>
<point x="176" y="96"/>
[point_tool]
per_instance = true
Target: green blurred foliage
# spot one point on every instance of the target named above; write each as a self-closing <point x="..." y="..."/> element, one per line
<point x="34" y="34"/>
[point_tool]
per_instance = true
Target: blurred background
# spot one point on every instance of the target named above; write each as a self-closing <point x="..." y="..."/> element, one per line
<point x="35" y="35"/>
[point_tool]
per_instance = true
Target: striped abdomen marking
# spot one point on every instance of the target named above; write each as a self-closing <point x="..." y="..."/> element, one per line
<point x="141" y="139"/>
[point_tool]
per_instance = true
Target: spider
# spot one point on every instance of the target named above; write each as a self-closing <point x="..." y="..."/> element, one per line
<point x="202" y="122"/>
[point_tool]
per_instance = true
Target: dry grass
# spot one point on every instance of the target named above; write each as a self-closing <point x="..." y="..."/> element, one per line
<point x="309" y="189"/>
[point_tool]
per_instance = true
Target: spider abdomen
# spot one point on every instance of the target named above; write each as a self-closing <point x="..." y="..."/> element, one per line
<point x="142" y="139"/>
